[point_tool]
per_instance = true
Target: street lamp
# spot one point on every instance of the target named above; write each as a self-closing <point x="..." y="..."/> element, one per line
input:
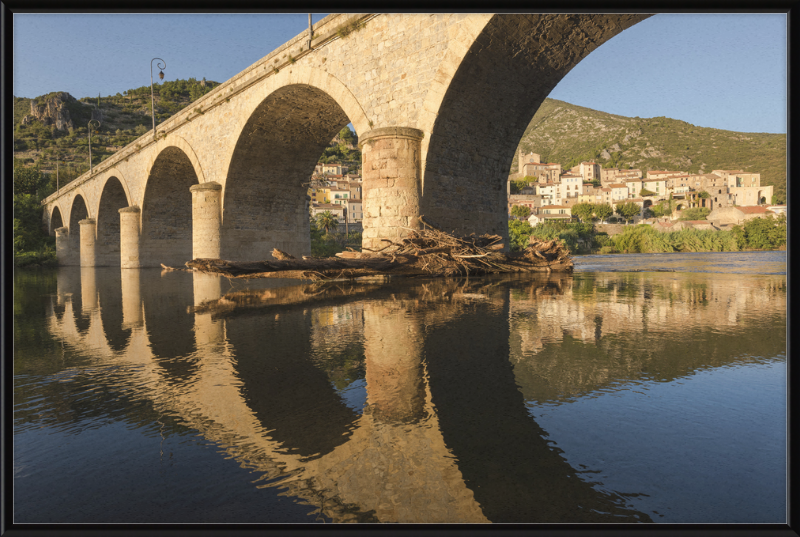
<point x="152" y="98"/>
<point x="90" y="141"/>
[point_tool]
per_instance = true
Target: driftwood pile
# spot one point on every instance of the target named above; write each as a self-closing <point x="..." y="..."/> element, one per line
<point x="427" y="252"/>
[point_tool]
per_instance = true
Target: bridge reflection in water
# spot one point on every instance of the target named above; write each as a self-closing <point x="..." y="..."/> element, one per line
<point x="395" y="403"/>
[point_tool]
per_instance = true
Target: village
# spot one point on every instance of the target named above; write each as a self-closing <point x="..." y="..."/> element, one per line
<point x="548" y="192"/>
<point x="729" y="197"/>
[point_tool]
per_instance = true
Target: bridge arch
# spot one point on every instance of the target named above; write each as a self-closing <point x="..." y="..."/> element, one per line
<point x="78" y="210"/>
<point x="114" y="196"/>
<point x="264" y="203"/>
<point x="56" y="220"/>
<point x="510" y="67"/>
<point x="166" y="217"/>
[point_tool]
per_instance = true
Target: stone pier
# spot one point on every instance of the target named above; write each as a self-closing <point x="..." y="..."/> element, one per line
<point x="129" y="218"/>
<point x="206" y="220"/>
<point x="391" y="183"/>
<point x="63" y="253"/>
<point x="88" y="235"/>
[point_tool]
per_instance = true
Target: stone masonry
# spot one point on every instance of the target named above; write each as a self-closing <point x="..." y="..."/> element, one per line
<point x="442" y="81"/>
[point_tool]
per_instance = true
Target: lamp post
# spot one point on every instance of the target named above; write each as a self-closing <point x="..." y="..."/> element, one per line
<point x="152" y="98"/>
<point x="90" y="141"/>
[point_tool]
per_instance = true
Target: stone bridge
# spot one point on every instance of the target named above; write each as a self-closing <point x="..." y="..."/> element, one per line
<point x="439" y="103"/>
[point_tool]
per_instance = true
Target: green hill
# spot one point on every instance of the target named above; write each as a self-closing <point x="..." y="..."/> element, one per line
<point x="123" y="117"/>
<point x="568" y="134"/>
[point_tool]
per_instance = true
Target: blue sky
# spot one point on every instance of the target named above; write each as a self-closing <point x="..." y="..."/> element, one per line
<point x="726" y="71"/>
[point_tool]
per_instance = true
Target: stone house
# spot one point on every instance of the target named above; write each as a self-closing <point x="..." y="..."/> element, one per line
<point x="544" y="172"/>
<point x="634" y="186"/>
<point x="570" y="188"/>
<point x="662" y="174"/>
<point x="337" y="210"/>
<point x="657" y="185"/>
<point x="354" y="210"/>
<point x="619" y="191"/>
<point x="751" y="195"/>
<point x="355" y="190"/>
<point x="339" y="196"/>
<point x="617" y="175"/>
<point x="739" y="178"/>
<point x="737" y="215"/>
<point x="549" y="192"/>
<point x="588" y="170"/>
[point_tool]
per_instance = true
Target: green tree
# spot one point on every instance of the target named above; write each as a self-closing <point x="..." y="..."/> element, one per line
<point x="703" y="194"/>
<point x="603" y="211"/>
<point x="583" y="211"/>
<point x="520" y="210"/>
<point x="327" y="221"/>
<point x="519" y="232"/>
<point x="765" y="233"/>
<point x="347" y="136"/>
<point x="518" y="184"/>
<point x="27" y="180"/>
<point x="627" y="210"/>
<point x="694" y="213"/>
<point x="646" y="192"/>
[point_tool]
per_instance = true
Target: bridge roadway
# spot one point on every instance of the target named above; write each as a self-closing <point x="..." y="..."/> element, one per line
<point x="446" y="438"/>
<point x="439" y="103"/>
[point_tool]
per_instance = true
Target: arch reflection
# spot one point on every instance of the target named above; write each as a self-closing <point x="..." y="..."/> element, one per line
<point x="402" y="402"/>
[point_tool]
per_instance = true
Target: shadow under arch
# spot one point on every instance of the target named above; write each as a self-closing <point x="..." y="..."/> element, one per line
<point x="509" y="69"/>
<point x="78" y="211"/>
<point x="166" y="235"/>
<point x="56" y="221"/>
<point x="107" y="246"/>
<point x="289" y="395"/>
<point x="265" y="203"/>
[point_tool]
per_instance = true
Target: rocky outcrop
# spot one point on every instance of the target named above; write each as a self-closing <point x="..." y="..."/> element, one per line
<point x="52" y="112"/>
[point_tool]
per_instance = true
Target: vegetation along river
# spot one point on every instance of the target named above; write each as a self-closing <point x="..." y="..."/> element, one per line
<point x="620" y="393"/>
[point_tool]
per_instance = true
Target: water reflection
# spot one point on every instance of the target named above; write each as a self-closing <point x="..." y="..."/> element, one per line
<point x="403" y="402"/>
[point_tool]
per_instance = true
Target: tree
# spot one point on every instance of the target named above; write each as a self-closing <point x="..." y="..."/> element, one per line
<point x="646" y="192"/>
<point x="27" y="180"/>
<point x="764" y="233"/>
<point x="694" y="213"/>
<point x="327" y="221"/>
<point x="347" y="135"/>
<point x="583" y="211"/>
<point x="603" y="211"/>
<point x="519" y="184"/>
<point x="703" y="194"/>
<point x="627" y="210"/>
<point x="519" y="234"/>
<point x="520" y="210"/>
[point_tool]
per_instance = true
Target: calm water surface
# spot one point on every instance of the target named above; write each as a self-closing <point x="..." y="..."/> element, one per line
<point x="603" y="396"/>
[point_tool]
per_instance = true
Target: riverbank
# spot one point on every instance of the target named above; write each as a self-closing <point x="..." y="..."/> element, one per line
<point x="757" y="234"/>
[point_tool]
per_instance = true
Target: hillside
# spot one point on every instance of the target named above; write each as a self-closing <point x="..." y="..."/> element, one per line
<point x="55" y="125"/>
<point x="568" y="134"/>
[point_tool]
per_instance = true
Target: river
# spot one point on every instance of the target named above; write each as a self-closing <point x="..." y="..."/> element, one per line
<point x="642" y="388"/>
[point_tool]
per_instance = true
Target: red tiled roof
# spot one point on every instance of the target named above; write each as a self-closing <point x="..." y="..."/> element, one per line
<point x="617" y="185"/>
<point x="755" y="209"/>
<point x="696" y="222"/>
